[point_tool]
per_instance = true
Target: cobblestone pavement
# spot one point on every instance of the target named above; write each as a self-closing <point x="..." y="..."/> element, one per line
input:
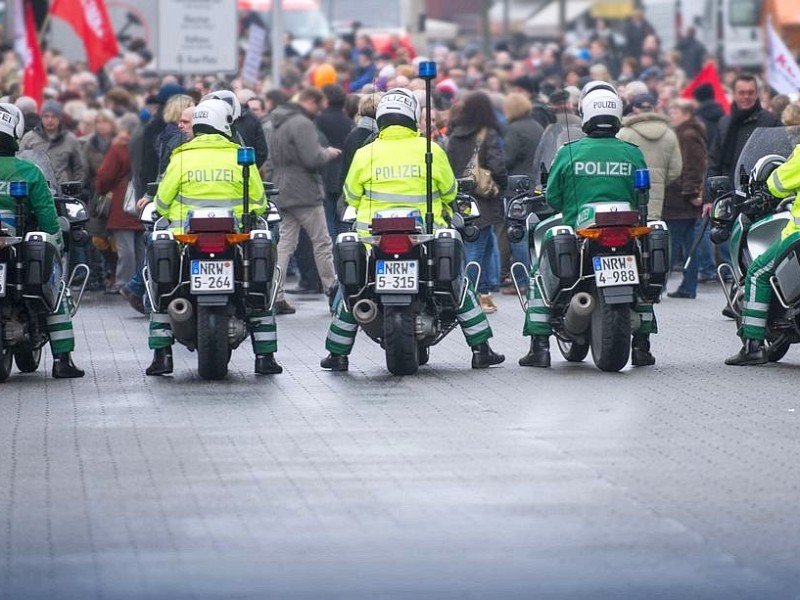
<point x="678" y="481"/>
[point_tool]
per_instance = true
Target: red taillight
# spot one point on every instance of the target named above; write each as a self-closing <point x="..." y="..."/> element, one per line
<point x="611" y="237"/>
<point x="395" y="244"/>
<point x="210" y="243"/>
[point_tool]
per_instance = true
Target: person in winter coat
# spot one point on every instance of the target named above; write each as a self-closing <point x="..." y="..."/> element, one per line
<point x="96" y="146"/>
<point x="297" y="159"/>
<point x="366" y="128"/>
<point x="684" y="198"/>
<point x="659" y="144"/>
<point x="113" y="176"/>
<point x="172" y="136"/>
<point x="60" y="145"/>
<point x="708" y="110"/>
<point x="476" y="127"/>
<point x="522" y="136"/>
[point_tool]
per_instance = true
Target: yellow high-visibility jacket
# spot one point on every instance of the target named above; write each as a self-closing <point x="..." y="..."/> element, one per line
<point x="203" y="173"/>
<point x="389" y="173"/>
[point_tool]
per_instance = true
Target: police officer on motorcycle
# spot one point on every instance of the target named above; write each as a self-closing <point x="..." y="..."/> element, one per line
<point x="41" y="207"/>
<point x="376" y="181"/>
<point x="782" y="183"/>
<point x="204" y="173"/>
<point x="570" y="188"/>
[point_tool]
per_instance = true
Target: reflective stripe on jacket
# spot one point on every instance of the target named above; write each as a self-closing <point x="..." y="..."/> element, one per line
<point x="389" y="173"/>
<point x="203" y="173"/>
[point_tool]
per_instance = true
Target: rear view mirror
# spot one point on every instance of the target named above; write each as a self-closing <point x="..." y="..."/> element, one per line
<point x="718" y="186"/>
<point x="71" y="188"/>
<point x="74" y="210"/>
<point x="152" y="189"/>
<point x="466" y="185"/>
<point x="519" y="183"/>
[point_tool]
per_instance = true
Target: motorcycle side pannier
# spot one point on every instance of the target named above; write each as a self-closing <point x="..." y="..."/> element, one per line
<point x="559" y="264"/>
<point x="350" y="260"/>
<point x="448" y="257"/>
<point x="788" y="275"/>
<point x="42" y="271"/>
<point x="263" y="257"/>
<point x="659" y="246"/>
<point x="163" y="263"/>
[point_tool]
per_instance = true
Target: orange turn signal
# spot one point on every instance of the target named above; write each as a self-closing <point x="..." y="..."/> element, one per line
<point x="237" y="238"/>
<point x="186" y="238"/>
<point x="592" y="234"/>
<point x="639" y="231"/>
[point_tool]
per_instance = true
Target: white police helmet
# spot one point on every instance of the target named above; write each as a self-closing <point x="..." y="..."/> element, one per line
<point x="401" y="102"/>
<point x="591" y="87"/>
<point x="12" y="121"/>
<point x="601" y="109"/>
<point x="215" y="113"/>
<point x="228" y="97"/>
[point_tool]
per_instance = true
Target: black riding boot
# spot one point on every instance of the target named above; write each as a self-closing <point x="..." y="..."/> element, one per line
<point x="752" y="353"/>
<point x="162" y="362"/>
<point x="484" y="357"/>
<point x="267" y="365"/>
<point x="539" y="354"/>
<point x="64" y="368"/>
<point x="640" y="351"/>
<point x="335" y="362"/>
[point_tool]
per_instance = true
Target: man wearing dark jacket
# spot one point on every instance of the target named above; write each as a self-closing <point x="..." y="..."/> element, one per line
<point x="335" y="126"/>
<point x="708" y="111"/>
<point x="149" y="167"/>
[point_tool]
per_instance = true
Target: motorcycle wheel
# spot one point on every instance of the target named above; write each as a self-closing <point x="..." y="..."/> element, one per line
<point x="572" y="351"/>
<point x="402" y="351"/>
<point x="775" y="352"/>
<point x="28" y="360"/>
<point x="213" y="352"/>
<point x="611" y="335"/>
<point x="423" y="354"/>
<point x="6" y="359"/>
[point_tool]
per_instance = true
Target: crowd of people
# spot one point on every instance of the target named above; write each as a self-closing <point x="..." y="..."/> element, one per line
<point x="115" y="131"/>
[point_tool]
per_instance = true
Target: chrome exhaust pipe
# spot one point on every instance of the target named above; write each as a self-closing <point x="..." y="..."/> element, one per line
<point x="181" y="315"/>
<point x="579" y="313"/>
<point x="365" y="311"/>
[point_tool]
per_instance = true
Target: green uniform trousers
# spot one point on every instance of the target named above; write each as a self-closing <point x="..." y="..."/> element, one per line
<point x="263" y="332"/>
<point x="59" y="328"/>
<point x="537" y="315"/>
<point x="342" y="331"/>
<point x="758" y="292"/>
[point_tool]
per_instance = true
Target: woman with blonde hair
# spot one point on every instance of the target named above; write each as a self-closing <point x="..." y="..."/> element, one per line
<point x="171" y="137"/>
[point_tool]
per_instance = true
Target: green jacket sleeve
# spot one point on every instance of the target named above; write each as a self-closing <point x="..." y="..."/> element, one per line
<point x="555" y="183"/>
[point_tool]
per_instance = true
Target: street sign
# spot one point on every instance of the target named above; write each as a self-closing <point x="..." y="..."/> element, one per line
<point x="197" y="36"/>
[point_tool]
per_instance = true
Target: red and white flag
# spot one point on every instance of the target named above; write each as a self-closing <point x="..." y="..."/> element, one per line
<point x="26" y="45"/>
<point x="783" y="74"/>
<point x="708" y="74"/>
<point x="89" y="19"/>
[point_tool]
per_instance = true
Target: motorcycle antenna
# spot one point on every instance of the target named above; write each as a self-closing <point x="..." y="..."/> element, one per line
<point x="427" y="71"/>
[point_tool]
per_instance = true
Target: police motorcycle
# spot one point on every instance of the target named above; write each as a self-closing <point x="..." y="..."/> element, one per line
<point x="752" y="219"/>
<point x="590" y="277"/>
<point x="32" y="283"/>
<point x="404" y="282"/>
<point x="212" y="277"/>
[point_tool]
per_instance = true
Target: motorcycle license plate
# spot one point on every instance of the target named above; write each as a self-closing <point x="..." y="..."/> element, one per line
<point x="615" y="270"/>
<point x="211" y="276"/>
<point x="3" y="271"/>
<point x="396" y="275"/>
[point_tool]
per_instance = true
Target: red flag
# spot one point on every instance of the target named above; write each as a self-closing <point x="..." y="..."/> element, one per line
<point x="709" y="75"/>
<point x="34" y="76"/>
<point x="89" y="19"/>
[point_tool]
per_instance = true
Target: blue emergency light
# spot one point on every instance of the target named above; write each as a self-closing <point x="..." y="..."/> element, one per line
<point x="18" y="189"/>
<point x="246" y="156"/>
<point x="427" y="70"/>
<point x="641" y="179"/>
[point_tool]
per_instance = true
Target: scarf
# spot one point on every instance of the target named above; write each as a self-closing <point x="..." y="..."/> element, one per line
<point x="738" y="117"/>
<point x="368" y="123"/>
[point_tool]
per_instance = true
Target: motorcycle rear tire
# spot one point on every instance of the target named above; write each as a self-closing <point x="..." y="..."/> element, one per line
<point x="28" y="360"/>
<point x="399" y="340"/>
<point x="572" y="351"/>
<point x="6" y="359"/>
<point x="611" y="334"/>
<point x="775" y="352"/>
<point x="213" y="352"/>
<point x="423" y="354"/>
